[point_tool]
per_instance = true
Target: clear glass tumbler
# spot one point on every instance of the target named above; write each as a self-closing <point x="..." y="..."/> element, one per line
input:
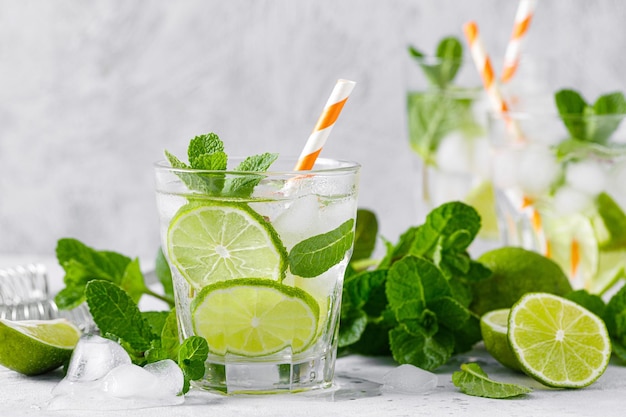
<point x="258" y="260"/>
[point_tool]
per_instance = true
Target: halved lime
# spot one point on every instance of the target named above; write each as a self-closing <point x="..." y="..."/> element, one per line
<point x="558" y="342"/>
<point x="254" y="317"/>
<point x="493" y="327"/>
<point x="33" y="347"/>
<point x="214" y="241"/>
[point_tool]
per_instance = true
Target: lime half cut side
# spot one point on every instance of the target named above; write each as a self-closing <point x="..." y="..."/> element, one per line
<point x="558" y="342"/>
<point x="254" y="317"/>
<point x="34" y="347"/>
<point x="214" y="241"/>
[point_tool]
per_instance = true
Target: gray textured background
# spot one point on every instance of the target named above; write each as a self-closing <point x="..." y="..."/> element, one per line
<point x="91" y="92"/>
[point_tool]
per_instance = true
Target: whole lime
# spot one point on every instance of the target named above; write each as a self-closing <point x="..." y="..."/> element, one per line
<point x="516" y="271"/>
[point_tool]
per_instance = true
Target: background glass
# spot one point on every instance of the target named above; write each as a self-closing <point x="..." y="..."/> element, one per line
<point x="563" y="196"/>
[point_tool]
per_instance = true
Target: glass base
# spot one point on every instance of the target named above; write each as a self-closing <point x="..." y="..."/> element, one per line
<point x="240" y="376"/>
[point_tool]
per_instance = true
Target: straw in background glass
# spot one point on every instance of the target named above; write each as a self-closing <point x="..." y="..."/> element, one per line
<point x="523" y="17"/>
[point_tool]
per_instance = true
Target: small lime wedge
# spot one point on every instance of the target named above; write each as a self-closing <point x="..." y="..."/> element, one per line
<point x="558" y="342"/>
<point x="33" y="347"/>
<point x="493" y="326"/>
<point x="254" y="317"/>
<point x="213" y="241"/>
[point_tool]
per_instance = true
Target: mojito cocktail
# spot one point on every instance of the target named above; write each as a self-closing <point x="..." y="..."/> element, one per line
<point x="258" y="259"/>
<point x="560" y="178"/>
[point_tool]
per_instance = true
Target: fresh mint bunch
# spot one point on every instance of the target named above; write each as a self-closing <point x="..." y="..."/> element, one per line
<point x="448" y="59"/>
<point x="415" y="304"/>
<point x="206" y="152"/>
<point x="587" y="132"/>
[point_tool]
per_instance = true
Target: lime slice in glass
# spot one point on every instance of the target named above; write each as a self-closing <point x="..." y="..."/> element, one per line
<point x="493" y="327"/>
<point x="216" y="241"/>
<point x="254" y="317"/>
<point x="482" y="198"/>
<point x="33" y="347"/>
<point x="558" y="342"/>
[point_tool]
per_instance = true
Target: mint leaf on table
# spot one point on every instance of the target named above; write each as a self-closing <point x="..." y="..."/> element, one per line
<point x="317" y="254"/>
<point x="441" y="71"/>
<point x="116" y="315"/>
<point x="244" y="185"/>
<point x="472" y="380"/>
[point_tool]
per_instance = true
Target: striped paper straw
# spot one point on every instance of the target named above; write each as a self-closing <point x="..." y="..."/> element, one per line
<point x="324" y="125"/>
<point x="523" y="17"/>
<point x="484" y="67"/>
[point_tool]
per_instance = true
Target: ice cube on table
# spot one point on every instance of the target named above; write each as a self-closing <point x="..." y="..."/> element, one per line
<point x="94" y="357"/>
<point x="588" y="176"/>
<point x="101" y="376"/>
<point x="408" y="379"/>
<point x="160" y="382"/>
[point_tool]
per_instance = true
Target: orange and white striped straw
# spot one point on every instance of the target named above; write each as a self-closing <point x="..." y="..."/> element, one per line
<point x="523" y="17"/>
<point x="324" y="125"/>
<point x="484" y="67"/>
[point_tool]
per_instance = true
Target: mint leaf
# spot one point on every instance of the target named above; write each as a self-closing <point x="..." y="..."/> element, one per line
<point x="164" y="273"/>
<point x="191" y="359"/>
<point x="419" y="347"/>
<point x="132" y="281"/>
<point x="365" y="233"/>
<point x="591" y="302"/>
<point x="203" y="145"/>
<point x="244" y="185"/>
<point x="472" y="380"/>
<point x="115" y="314"/>
<point x="83" y="264"/>
<point x="169" y="335"/>
<point x="578" y="116"/>
<point x="317" y="254"/>
<point x="441" y="72"/>
<point x="615" y="320"/>
<point x="156" y="320"/>
<point x="432" y="116"/>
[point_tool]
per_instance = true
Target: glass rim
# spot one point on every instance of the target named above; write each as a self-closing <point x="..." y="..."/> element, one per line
<point x="551" y="114"/>
<point x="343" y="166"/>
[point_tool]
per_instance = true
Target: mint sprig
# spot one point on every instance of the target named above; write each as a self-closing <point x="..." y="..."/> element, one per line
<point x="579" y="116"/>
<point x="449" y="57"/>
<point x="472" y="380"/>
<point x="206" y="152"/>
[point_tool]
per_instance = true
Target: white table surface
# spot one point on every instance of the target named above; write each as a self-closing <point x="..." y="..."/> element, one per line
<point x="356" y="392"/>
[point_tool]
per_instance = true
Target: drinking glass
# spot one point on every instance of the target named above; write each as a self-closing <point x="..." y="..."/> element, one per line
<point x="257" y="261"/>
<point x="561" y="190"/>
